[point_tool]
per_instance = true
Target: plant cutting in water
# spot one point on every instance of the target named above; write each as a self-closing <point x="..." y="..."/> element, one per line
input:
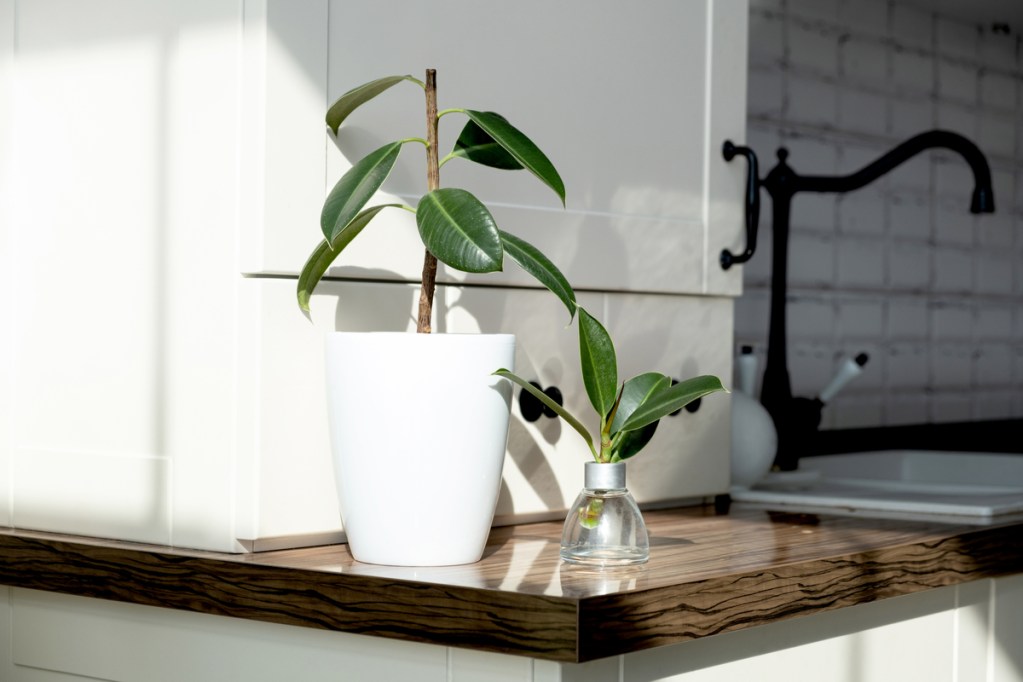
<point x="455" y="227"/>
<point x="628" y="416"/>
<point x="629" y="413"/>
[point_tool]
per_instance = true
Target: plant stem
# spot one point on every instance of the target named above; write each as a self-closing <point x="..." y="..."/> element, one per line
<point x="432" y="183"/>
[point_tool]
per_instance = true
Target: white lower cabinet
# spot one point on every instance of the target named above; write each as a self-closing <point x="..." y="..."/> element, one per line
<point x="964" y="633"/>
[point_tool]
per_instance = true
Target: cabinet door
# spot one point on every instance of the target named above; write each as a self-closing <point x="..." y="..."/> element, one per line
<point x="631" y="105"/>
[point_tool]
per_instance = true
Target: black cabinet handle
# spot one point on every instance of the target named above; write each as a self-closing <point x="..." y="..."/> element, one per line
<point x="729" y="151"/>
<point x="532" y="409"/>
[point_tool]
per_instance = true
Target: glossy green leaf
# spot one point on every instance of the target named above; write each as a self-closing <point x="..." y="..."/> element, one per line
<point x="543" y="398"/>
<point x="599" y="366"/>
<point x="635" y="392"/>
<point x="520" y="147"/>
<point x="539" y="266"/>
<point x="666" y="401"/>
<point x="476" y="145"/>
<point x="351" y="100"/>
<point x="325" y="254"/>
<point x="458" y="229"/>
<point x="356" y="188"/>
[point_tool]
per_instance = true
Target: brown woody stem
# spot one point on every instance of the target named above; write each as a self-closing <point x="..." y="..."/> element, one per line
<point x="432" y="183"/>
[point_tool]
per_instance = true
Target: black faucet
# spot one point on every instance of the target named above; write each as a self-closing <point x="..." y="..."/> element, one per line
<point x="797" y="419"/>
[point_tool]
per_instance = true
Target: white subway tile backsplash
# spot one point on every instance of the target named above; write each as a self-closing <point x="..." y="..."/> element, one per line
<point x="852" y="412"/>
<point x="993" y="364"/>
<point x="993" y="322"/>
<point x="993" y="404"/>
<point x="906" y="366"/>
<point x="824" y="10"/>
<point x="951" y="322"/>
<point x="862" y="112"/>
<point x="997" y="90"/>
<point x="765" y="93"/>
<point x="910" y="217"/>
<point x="958" y="118"/>
<point x="998" y="50"/>
<point x="953" y="270"/>
<point x="811" y="259"/>
<point x="905" y="409"/>
<point x="994" y="273"/>
<point x="900" y="265"/>
<point x="1004" y="183"/>
<point x="811" y="156"/>
<point x="859" y="320"/>
<point x="995" y="230"/>
<point x="909" y="266"/>
<point x="860" y="263"/>
<point x="810" y="367"/>
<point x="953" y="222"/>
<point x="812" y="102"/>
<point x="912" y="72"/>
<point x="953" y="179"/>
<point x="811" y="211"/>
<point x="997" y="134"/>
<point x="907" y="319"/>
<point x="951" y="406"/>
<point x="951" y="366"/>
<point x="957" y="38"/>
<point x="767" y="39"/>
<point x="866" y="16"/>
<point x="912" y="27"/>
<point x="813" y="49"/>
<point x="957" y="82"/>
<point x="862" y="212"/>
<point x="810" y="318"/>
<point x="864" y="62"/>
<point x="911" y="116"/>
<point x="752" y="311"/>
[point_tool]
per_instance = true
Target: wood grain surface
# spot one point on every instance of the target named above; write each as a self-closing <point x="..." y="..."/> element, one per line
<point x="707" y="574"/>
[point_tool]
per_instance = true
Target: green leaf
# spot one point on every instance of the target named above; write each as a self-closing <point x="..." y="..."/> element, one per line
<point x="542" y="397"/>
<point x="667" y="400"/>
<point x="476" y="145"/>
<point x="355" y="188"/>
<point x="520" y="147"/>
<point x="458" y="229"/>
<point x="325" y="254"/>
<point x="635" y="392"/>
<point x="356" y="97"/>
<point x="539" y="266"/>
<point x="599" y="366"/>
<point x="634" y="441"/>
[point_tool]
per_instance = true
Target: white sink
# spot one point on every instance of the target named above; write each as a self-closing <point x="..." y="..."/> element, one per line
<point x="972" y="487"/>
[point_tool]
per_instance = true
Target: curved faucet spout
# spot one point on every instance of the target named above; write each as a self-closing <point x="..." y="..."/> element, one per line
<point x="981" y="202"/>
<point x="782" y="183"/>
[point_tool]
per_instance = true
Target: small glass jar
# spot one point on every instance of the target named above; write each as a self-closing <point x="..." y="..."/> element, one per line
<point x="604" y="526"/>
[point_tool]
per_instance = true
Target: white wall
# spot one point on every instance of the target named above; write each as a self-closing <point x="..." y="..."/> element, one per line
<point x="899" y="269"/>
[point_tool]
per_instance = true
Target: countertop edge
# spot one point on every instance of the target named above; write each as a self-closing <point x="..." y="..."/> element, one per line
<point x="556" y="628"/>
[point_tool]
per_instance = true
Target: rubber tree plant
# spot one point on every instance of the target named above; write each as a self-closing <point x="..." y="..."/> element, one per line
<point x="455" y="227"/>
<point x="628" y="413"/>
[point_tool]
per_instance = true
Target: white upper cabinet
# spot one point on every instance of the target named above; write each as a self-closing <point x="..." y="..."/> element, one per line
<point x="631" y="104"/>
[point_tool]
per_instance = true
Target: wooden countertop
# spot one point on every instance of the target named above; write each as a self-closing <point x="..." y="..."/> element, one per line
<point x="707" y="574"/>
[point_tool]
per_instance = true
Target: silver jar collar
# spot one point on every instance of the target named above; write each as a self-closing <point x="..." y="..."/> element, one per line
<point x="600" y="476"/>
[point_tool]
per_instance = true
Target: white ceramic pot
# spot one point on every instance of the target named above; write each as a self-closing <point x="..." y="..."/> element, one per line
<point x="418" y="429"/>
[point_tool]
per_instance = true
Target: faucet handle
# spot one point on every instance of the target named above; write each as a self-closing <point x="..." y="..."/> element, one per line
<point x="729" y="151"/>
